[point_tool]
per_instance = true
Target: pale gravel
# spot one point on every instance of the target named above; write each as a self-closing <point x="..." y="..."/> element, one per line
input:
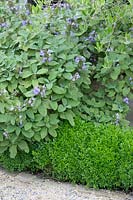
<point x="24" y="186"/>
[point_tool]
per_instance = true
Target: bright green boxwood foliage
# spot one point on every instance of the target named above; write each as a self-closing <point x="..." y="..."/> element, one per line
<point x="55" y="63"/>
<point x="99" y="156"/>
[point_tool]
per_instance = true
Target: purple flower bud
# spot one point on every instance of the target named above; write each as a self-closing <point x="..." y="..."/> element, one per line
<point x="27" y="12"/>
<point x="69" y="21"/>
<point x="84" y="67"/>
<point x="91" y="36"/>
<point x="4" y="25"/>
<point x="79" y="58"/>
<point x="36" y="90"/>
<point x="130" y="79"/>
<point x="44" y="60"/>
<point x="126" y="100"/>
<point x="42" y="53"/>
<point x="49" y="59"/>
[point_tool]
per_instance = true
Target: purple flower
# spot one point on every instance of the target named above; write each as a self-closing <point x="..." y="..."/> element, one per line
<point x="130" y="79"/>
<point x="27" y="12"/>
<point x="79" y="58"/>
<point x="49" y="59"/>
<point x="126" y="100"/>
<point x="24" y="23"/>
<point x="42" y="53"/>
<point x="36" y="90"/>
<point x="69" y="21"/>
<point x="4" y="25"/>
<point x="44" y="60"/>
<point x="91" y="36"/>
<point x="84" y="67"/>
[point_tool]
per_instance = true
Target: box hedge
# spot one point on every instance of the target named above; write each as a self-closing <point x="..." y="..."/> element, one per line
<point x="97" y="155"/>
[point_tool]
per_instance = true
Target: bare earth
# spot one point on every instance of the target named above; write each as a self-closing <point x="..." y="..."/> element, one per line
<point x="24" y="186"/>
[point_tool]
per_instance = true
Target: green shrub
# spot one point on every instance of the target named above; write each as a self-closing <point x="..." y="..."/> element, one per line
<point x="21" y="162"/>
<point x="99" y="156"/>
<point x="56" y="63"/>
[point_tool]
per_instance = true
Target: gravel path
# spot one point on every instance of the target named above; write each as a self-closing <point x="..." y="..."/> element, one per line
<point x="24" y="186"/>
